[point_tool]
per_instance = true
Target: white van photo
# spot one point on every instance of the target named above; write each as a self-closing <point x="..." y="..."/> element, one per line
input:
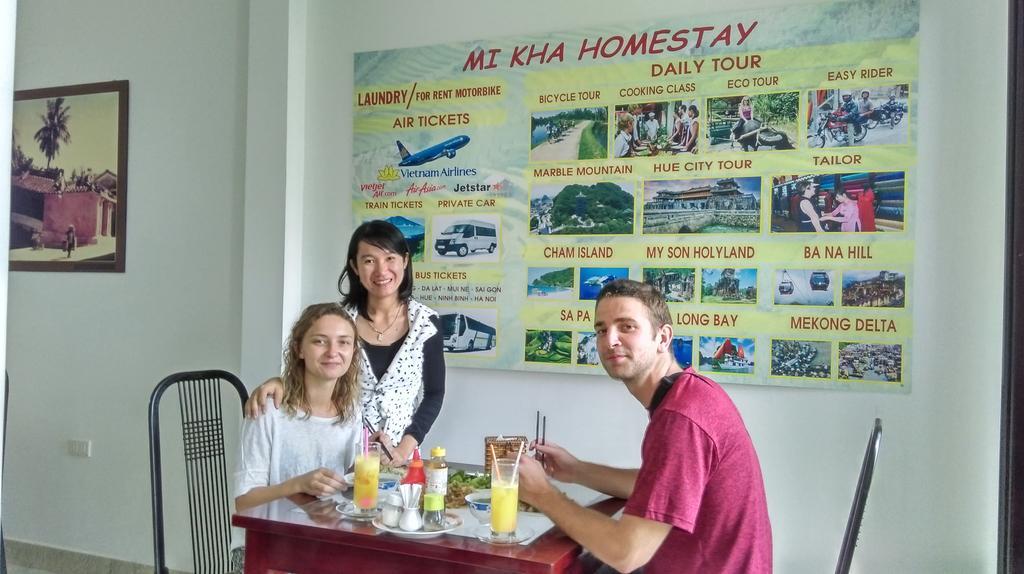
<point x="463" y="237"/>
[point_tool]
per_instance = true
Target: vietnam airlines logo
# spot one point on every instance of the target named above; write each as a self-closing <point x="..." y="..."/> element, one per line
<point x="388" y="173"/>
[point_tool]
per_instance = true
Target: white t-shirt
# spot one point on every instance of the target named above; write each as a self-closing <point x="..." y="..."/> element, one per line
<point x="276" y="447"/>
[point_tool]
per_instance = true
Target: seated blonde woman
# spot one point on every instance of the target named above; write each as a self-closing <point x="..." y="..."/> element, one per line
<point x="306" y="445"/>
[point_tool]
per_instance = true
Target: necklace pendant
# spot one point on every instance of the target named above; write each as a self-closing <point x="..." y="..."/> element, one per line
<point x="380" y="337"/>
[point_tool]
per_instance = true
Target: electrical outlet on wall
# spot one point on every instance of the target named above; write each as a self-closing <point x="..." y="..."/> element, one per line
<point x="82" y="448"/>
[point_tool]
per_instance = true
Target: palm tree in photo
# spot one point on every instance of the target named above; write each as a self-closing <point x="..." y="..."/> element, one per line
<point x="54" y="130"/>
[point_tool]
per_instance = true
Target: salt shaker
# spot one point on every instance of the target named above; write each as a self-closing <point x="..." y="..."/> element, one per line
<point x="391" y="513"/>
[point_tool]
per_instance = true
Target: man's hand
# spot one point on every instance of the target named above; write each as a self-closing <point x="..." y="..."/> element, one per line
<point x="625" y="544"/>
<point x="558" y="463"/>
<point x="533" y="483"/>
<point x="273" y="389"/>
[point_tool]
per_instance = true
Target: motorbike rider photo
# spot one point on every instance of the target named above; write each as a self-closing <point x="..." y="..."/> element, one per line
<point x="893" y="106"/>
<point x="865" y="106"/>
<point x="851" y="115"/>
<point x="848" y="117"/>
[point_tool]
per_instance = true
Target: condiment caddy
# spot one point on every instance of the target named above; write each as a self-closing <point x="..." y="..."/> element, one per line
<point x="400" y="511"/>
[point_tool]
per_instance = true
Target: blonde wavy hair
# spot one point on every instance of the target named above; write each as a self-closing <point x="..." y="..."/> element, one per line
<point x="346" y="388"/>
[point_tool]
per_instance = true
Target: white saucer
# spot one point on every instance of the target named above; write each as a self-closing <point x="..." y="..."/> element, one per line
<point x="483" y="534"/>
<point x="452" y="522"/>
<point x="352" y="512"/>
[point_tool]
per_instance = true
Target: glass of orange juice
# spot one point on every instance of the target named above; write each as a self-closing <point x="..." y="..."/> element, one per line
<point x="504" y="499"/>
<point x="367" y="478"/>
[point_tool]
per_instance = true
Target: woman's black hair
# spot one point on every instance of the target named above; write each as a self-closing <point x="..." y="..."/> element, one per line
<point x="385" y="236"/>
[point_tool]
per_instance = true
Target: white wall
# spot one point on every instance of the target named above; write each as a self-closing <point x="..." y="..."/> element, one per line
<point x="8" y="14"/>
<point x="933" y="505"/>
<point x="86" y="349"/>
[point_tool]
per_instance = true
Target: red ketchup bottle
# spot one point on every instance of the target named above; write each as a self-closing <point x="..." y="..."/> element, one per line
<point x="415" y="473"/>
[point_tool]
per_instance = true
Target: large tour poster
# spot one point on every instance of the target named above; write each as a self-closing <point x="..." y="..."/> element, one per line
<point x="758" y="167"/>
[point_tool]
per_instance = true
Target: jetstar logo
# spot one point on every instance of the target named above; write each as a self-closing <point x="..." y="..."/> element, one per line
<point x="471" y="187"/>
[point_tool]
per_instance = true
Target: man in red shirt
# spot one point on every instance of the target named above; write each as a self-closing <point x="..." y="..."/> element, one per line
<point x="697" y="502"/>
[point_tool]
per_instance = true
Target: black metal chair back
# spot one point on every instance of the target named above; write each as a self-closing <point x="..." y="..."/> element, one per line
<point x="860" y="499"/>
<point x="209" y="497"/>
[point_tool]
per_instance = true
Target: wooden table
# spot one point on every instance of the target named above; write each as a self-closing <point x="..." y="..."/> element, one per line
<point x="303" y="535"/>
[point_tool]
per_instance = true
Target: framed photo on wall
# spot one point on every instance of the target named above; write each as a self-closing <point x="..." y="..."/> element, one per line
<point x="69" y="159"/>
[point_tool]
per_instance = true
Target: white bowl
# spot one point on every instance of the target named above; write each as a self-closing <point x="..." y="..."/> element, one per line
<point x="479" y="503"/>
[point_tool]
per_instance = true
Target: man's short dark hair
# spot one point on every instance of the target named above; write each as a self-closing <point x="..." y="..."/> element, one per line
<point x="648" y="295"/>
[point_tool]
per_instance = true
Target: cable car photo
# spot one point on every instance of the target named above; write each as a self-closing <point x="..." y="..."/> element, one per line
<point x="786" y="287"/>
<point x="819" y="281"/>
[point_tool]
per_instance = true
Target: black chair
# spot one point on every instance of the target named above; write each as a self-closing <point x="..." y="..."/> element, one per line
<point x="860" y="498"/>
<point x="209" y="498"/>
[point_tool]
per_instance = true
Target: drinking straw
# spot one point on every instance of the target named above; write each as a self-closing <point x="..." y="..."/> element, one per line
<point x="494" y="466"/>
<point x="384" y="449"/>
<point x="519" y="453"/>
<point x="366" y="441"/>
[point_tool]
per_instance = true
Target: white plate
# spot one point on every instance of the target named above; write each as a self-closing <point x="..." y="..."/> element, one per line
<point x="453" y="521"/>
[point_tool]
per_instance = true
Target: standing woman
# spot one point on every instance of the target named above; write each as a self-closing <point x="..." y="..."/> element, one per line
<point x="810" y="216"/>
<point x="401" y="360"/>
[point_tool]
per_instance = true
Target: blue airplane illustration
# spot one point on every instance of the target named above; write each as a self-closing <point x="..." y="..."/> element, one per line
<point x="446" y="148"/>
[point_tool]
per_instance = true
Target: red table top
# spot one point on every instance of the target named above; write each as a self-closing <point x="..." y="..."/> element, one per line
<point x="304" y="520"/>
